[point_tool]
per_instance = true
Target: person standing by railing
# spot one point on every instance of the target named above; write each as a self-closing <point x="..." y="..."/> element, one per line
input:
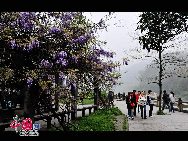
<point x="180" y="105"/>
<point x="172" y="101"/>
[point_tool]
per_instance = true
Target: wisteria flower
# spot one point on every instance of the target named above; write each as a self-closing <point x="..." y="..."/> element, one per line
<point x="45" y="63"/>
<point x="13" y="44"/>
<point x="54" y="30"/>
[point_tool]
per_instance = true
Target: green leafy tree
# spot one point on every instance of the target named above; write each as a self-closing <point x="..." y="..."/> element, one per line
<point x="157" y="29"/>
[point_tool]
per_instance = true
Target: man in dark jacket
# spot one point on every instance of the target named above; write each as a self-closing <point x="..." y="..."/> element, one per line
<point x="166" y="100"/>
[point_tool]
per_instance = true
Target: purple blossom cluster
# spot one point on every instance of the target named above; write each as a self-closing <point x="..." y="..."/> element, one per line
<point x="28" y="15"/>
<point x="81" y="39"/>
<point x="62" y="54"/>
<point x="45" y="63"/>
<point x="99" y="52"/>
<point x="92" y="58"/>
<point x="67" y="18"/>
<point x="54" y="30"/>
<point x="29" y="81"/>
<point x="13" y="44"/>
<point x="62" y="62"/>
<point x="26" y="20"/>
<point x="109" y="54"/>
<point x="98" y="61"/>
<point x="32" y="44"/>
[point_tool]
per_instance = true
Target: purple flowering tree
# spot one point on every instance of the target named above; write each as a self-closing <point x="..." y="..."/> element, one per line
<point x="48" y="43"/>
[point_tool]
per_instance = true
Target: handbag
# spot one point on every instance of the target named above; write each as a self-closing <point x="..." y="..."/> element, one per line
<point x="132" y="104"/>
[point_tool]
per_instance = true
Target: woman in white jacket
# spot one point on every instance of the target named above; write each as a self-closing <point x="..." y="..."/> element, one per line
<point x="172" y="101"/>
<point x="142" y="103"/>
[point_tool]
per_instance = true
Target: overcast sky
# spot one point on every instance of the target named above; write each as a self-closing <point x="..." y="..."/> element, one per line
<point x="119" y="37"/>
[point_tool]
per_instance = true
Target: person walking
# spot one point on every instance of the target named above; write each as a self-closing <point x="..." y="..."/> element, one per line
<point x="111" y="98"/>
<point x="172" y="101"/>
<point x="150" y="100"/>
<point x="166" y="100"/>
<point x="137" y="98"/>
<point x="142" y="103"/>
<point x="130" y="105"/>
<point x="119" y="96"/>
<point x="123" y="96"/>
<point x="134" y="101"/>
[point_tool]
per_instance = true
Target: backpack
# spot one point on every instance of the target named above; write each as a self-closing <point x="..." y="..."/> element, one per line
<point x="148" y="100"/>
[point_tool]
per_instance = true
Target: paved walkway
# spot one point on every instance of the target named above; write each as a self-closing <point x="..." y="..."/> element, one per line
<point x="177" y="121"/>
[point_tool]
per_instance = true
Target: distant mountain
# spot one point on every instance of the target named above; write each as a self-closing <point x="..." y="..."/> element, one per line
<point x="138" y="70"/>
<point x="129" y="76"/>
<point x="172" y="82"/>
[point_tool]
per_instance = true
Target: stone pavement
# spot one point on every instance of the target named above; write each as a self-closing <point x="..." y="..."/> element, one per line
<point x="177" y="121"/>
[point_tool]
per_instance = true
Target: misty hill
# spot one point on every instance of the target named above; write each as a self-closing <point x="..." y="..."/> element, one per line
<point x="129" y="76"/>
<point x="135" y="72"/>
<point x="176" y="76"/>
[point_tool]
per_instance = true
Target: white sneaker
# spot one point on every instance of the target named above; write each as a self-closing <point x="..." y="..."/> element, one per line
<point x="151" y="116"/>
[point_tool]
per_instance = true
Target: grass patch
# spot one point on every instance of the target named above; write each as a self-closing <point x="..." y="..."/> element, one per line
<point x="160" y="113"/>
<point x="101" y="120"/>
<point x="88" y="101"/>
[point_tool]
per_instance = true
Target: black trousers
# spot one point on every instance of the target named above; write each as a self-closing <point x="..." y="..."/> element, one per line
<point x="138" y="108"/>
<point x="135" y="109"/>
<point x="171" y="107"/>
<point x="151" y="109"/>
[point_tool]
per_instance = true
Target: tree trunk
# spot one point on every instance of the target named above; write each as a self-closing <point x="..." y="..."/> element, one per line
<point x="160" y="78"/>
<point x="74" y="93"/>
<point x="57" y="92"/>
<point x="29" y="111"/>
<point x="96" y="90"/>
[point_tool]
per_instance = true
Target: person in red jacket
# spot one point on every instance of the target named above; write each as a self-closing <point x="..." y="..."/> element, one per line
<point x="134" y="101"/>
<point x="137" y="97"/>
<point x="130" y="105"/>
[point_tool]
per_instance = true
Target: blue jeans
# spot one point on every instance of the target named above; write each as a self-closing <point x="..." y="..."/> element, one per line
<point x="130" y="112"/>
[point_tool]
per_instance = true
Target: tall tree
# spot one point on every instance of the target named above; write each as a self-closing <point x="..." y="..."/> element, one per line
<point x="157" y="29"/>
